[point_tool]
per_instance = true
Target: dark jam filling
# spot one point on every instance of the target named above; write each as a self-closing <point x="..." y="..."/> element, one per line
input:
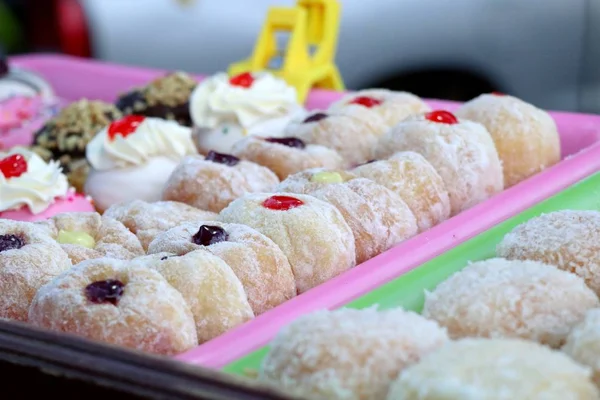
<point x="11" y="242"/>
<point x="209" y="234"/>
<point x="315" y="118"/>
<point x="108" y="291"/>
<point x="288" y="141"/>
<point x="222" y="158"/>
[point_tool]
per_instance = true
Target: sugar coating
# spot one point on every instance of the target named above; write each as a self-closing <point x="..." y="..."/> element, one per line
<point x="395" y="106"/>
<point x="568" y="239"/>
<point x="348" y="354"/>
<point x="214" y="294"/>
<point x="147" y="220"/>
<point x="412" y="177"/>
<point x="212" y="186"/>
<point x="151" y="315"/>
<point x="378" y="217"/>
<point x="494" y="369"/>
<point x="23" y="271"/>
<point x="256" y="260"/>
<point x="315" y="238"/>
<point x="112" y="237"/>
<point x="583" y="343"/>
<point x="285" y="160"/>
<point x="463" y="154"/>
<point x="500" y="298"/>
<point x="525" y="136"/>
<point x="301" y="182"/>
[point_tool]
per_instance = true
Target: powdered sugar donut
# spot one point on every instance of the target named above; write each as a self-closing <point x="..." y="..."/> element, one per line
<point x="208" y="285"/>
<point x="117" y="302"/>
<point x="29" y="259"/>
<point x="378" y="217"/>
<point x="411" y="176"/>
<point x="348" y="354"/>
<point x="583" y="343"/>
<point x="287" y="155"/>
<point x="525" y="136"/>
<point x="462" y="152"/>
<point x="256" y="260"/>
<point x="147" y="220"/>
<point x="312" y="179"/>
<point x="494" y="369"/>
<point x="568" y="239"/>
<point x="530" y="300"/>
<point x="299" y="224"/>
<point x="88" y="235"/>
<point x="391" y="106"/>
<point x="211" y="183"/>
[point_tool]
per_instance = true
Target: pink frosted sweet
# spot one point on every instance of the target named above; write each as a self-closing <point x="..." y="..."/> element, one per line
<point x="72" y="202"/>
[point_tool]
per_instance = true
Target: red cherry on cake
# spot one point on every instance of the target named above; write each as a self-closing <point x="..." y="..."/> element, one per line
<point x="11" y="242"/>
<point x="281" y="203"/>
<point x="209" y="234"/>
<point x="315" y="117"/>
<point x="288" y="141"/>
<point x="108" y="291"/>
<point x="366" y="101"/>
<point x="13" y="166"/>
<point x="125" y="126"/>
<point x="222" y="158"/>
<point x="442" y="117"/>
<point x="498" y="94"/>
<point x="244" y="80"/>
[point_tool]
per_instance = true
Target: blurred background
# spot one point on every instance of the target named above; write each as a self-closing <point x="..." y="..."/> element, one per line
<point x="544" y="51"/>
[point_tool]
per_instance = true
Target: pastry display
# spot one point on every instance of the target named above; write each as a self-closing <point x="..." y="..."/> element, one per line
<point x="526" y="137"/>
<point x="214" y="294"/>
<point x="227" y="109"/>
<point x="118" y="302"/>
<point x="29" y="258"/>
<point x="494" y="369"/>
<point x="256" y="260"/>
<point x="415" y="180"/>
<point x="65" y="137"/>
<point x="348" y="354"/>
<point x="583" y="343"/>
<point x="148" y="220"/>
<point x="88" y="235"/>
<point x="212" y="182"/>
<point x="461" y="151"/>
<point x="568" y="239"/>
<point x="530" y="300"/>
<point x="311" y="179"/>
<point x="166" y="97"/>
<point x="286" y="155"/>
<point x="33" y="190"/>
<point x="299" y="224"/>
<point x="138" y="153"/>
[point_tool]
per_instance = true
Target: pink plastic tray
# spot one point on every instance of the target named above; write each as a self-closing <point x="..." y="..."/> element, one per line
<point x="74" y="78"/>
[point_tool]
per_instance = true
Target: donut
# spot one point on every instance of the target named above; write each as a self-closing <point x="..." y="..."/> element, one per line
<point x="352" y="134"/>
<point x="494" y="369"/>
<point x="117" y="302"/>
<point x="29" y="258"/>
<point x="348" y="354"/>
<point x="299" y="225"/>
<point x="147" y="220"/>
<point x="583" y="343"/>
<point x="378" y="217"/>
<point x="500" y="298"/>
<point x="211" y="183"/>
<point x="287" y="155"/>
<point x="214" y="294"/>
<point x="461" y="151"/>
<point x="568" y="239"/>
<point x="85" y="235"/>
<point x="309" y="180"/>
<point x="393" y="107"/>
<point x="412" y="177"/>
<point x="525" y="136"/>
<point x="256" y="260"/>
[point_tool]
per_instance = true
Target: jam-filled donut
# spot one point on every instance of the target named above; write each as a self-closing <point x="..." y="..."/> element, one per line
<point x="29" y="258"/>
<point x="88" y="235"/>
<point x="286" y="155"/>
<point x="256" y="260"/>
<point x="147" y="220"/>
<point x="312" y="233"/>
<point x="211" y="183"/>
<point x="208" y="285"/>
<point x="312" y="179"/>
<point x="117" y="302"/>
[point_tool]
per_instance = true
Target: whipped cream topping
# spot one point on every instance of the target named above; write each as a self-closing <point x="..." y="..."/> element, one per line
<point x="153" y="137"/>
<point x="216" y="102"/>
<point x="37" y="188"/>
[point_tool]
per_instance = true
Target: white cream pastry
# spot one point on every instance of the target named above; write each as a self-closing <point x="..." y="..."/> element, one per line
<point x="133" y="157"/>
<point x="225" y="110"/>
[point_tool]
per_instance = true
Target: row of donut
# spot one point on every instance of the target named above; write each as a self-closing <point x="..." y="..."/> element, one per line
<point x="525" y="325"/>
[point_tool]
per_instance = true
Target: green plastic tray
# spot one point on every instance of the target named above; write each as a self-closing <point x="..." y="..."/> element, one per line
<point x="408" y="291"/>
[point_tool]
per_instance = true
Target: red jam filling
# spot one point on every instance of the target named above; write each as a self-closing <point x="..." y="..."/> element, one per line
<point x="125" y="126"/>
<point x="244" y="80"/>
<point x="498" y="94"/>
<point x="442" y="117"/>
<point x="13" y="166"/>
<point x="366" y="101"/>
<point x="281" y="203"/>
